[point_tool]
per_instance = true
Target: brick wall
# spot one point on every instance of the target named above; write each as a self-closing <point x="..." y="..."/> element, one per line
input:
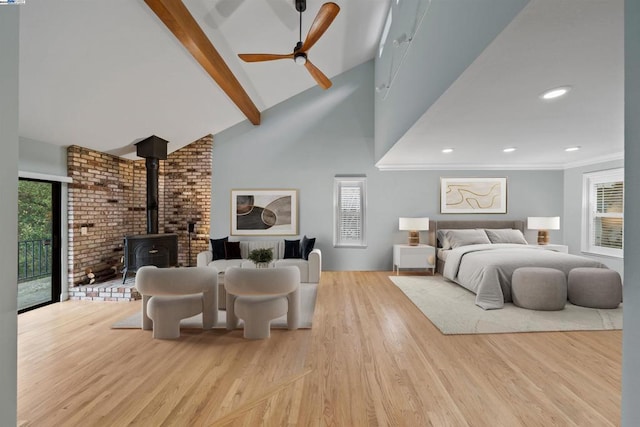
<point x="108" y="198"/>
<point x="187" y="197"/>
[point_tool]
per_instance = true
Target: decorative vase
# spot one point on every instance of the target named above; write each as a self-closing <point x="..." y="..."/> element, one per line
<point x="262" y="265"/>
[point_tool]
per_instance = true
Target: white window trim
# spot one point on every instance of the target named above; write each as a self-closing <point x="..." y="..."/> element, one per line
<point x="588" y="180"/>
<point x="337" y="182"/>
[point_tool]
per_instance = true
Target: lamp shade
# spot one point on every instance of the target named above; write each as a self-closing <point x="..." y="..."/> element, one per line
<point x="543" y="223"/>
<point x="414" y="224"/>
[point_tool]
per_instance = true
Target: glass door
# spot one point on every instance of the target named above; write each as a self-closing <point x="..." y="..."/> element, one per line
<point x="38" y="243"/>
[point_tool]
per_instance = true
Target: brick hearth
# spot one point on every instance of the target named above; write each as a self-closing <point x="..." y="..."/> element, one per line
<point x="113" y="290"/>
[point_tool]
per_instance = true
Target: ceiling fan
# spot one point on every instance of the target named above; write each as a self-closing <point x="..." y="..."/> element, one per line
<point x="323" y="20"/>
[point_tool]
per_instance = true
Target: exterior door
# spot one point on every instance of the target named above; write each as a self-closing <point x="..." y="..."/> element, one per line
<point x="38" y="243"/>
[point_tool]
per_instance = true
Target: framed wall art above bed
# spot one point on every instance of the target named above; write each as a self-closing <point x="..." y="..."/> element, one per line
<point x="473" y="195"/>
<point x="264" y="212"/>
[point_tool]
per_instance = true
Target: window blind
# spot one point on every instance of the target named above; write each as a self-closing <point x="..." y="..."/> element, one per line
<point x="349" y="212"/>
<point x="608" y="216"/>
<point x="603" y="226"/>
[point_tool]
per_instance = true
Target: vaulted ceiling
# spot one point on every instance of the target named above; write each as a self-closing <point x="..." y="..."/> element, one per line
<point x="104" y="75"/>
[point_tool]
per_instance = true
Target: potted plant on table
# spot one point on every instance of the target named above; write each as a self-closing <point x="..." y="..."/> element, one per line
<point x="261" y="257"/>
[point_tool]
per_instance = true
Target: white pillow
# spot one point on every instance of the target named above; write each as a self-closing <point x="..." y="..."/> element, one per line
<point x="459" y="238"/>
<point x="442" y="240"/>
<point x="506" y="235"/>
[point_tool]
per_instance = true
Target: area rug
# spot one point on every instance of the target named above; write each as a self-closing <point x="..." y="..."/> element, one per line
<point x="452" y="309"/>
<point x="308" y="292"/>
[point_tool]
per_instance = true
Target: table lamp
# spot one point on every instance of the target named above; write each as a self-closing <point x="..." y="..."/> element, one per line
<point x="414" y="226"/>
<point x="543" y="224"/>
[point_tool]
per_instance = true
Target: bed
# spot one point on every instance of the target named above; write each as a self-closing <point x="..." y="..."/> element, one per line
<point x="481" y="256"/>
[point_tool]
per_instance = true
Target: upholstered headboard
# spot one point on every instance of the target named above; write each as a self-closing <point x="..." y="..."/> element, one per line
<point x="491" y="224"/>
<point x="467" y="224"/>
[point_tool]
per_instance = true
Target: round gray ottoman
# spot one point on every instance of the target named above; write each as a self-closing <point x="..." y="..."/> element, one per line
<point x="539" y="288"/>
<point x="595" y="287"/>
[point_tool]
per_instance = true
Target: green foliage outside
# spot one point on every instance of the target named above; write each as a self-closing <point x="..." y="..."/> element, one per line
<point x="34" y="210"/>
<point x="34" y="224"/>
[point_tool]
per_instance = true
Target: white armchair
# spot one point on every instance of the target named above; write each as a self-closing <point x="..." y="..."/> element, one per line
<point x="260" y="295"/>
<point x="172" y="294"/>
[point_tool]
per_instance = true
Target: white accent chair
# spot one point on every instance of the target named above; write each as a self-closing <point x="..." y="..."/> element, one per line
<point x="172" y="294"/>
<point x="260" y="295"/>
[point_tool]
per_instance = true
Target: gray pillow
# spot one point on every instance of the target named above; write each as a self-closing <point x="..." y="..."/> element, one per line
<point x="459" y="238"/>
<point x="506" y="235"/>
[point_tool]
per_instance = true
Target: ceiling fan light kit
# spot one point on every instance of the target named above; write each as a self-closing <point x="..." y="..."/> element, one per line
<point x="324" y="18"/>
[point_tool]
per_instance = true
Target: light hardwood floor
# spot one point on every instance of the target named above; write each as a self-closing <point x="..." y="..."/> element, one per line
<point x="371" y="358"/>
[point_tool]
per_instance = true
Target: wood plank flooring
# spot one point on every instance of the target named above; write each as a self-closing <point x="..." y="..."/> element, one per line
<point x="371" y="359"/>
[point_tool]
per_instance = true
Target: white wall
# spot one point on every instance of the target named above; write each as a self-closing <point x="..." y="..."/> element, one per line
<point x="9" y="56"/>
<point x="572" y="224"/>
<point x="305" y="141"/>
<point x="631" y="331"/>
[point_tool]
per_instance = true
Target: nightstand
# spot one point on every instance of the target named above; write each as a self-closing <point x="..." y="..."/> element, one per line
<point x="553" y="247"/>
<point x="420" y="256"/>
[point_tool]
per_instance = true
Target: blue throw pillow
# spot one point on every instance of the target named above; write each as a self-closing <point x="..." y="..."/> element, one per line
<point x="292" y="249"/>
<point x="217" y="248"/>
<point x="307" y="246"/>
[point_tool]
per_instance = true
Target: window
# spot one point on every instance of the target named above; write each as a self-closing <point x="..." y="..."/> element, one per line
<point x="385" y="33"/>
<point x="350" y="206"/>
<point x="603" y="209"/>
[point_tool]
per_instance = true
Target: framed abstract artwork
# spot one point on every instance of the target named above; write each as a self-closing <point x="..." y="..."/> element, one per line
<point x="473" y="195"/>
<point x="264" y="212"/>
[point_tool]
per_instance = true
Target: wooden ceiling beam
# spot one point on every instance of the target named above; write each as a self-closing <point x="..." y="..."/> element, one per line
<point x="175" y="15"/>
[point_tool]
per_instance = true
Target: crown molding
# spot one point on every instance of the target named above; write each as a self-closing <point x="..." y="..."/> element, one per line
<point x="595" y="160"/>
<point x="509" y="166"/>
<point x="466" y="166"/>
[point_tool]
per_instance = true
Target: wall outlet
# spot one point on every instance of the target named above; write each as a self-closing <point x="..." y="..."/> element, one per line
<point x="84" y="231"/>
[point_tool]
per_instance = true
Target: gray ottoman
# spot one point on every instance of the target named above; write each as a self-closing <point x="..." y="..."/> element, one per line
<point x="595" y="287"/>
<point x="539" y="288"/>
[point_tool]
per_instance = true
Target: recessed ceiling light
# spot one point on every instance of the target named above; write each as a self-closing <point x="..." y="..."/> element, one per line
<point x="572" y="149"/>
<point x="509" y="149"/>
<point x="447" y="150"/>
<point x="555" y="92"/>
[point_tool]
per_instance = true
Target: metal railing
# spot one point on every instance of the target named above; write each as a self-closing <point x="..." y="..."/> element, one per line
<point x="34" y="259"/>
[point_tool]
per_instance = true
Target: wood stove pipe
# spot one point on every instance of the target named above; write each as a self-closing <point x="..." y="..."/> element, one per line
<point x="153" y="171"/>
<point x="153" y="149"/>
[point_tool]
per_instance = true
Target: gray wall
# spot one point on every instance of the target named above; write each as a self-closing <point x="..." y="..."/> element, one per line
<point x="631" y="332"/>
<point x="41" y="157"/>
<point x="305" y="141"/>
<point x="50" y="160"/>
<point x="9" y="29"/>
<point x="452" y="35"/>
<point x="572" y="224"/>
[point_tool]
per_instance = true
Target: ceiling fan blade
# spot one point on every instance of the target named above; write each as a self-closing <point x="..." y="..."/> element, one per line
<point x="258" y="57"/>
<point x="323" y="81"/>
<point x="324" y="18"/>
